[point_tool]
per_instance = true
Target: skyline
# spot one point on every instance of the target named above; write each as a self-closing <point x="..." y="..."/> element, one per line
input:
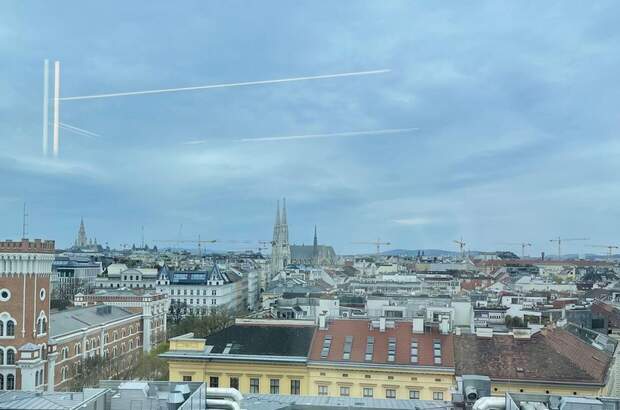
<point x="515" y="123"/>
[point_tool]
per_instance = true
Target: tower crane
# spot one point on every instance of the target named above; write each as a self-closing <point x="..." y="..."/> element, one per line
<point x="559" y="240"/>
<point x="522" y="244"/>
<point x="377" y="243"/>
<point x="610" y="248"/>
<point x="461" y="245"/>
<point x="199" y="242"/>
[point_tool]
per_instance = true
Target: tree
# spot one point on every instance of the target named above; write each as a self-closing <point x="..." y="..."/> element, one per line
<point x="177" y="311"/>
<point x="202" y="326"/>
<point x="508" y="321"/>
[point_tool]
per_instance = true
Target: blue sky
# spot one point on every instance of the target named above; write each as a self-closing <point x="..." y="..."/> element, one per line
<point x="516" y="105"/>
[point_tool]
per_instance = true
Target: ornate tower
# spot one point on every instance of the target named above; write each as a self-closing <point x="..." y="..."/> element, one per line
<point x="280" y="248"/>
<point x="81" y="240"/>
<point x="315" y="249"/>
<point x="286" y="248"/>
<point x="25" y="269"/>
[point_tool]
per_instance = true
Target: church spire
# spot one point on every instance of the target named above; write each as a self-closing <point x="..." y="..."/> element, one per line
<point x="283" y="211"/>
<point x="315" y="249"/>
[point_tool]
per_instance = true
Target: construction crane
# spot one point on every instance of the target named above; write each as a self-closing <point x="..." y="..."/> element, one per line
<point x="610" y="248"/>
<point x="377" y="243"/>
<point x="199" y="242"/>
<point x="461" y="245"/>
<point x="559" y="240"/>
<point x="522" y="244"/>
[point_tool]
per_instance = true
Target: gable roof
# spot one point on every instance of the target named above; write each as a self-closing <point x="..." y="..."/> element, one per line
<point x="402" y="332"/>
<point x="551" y="355"/>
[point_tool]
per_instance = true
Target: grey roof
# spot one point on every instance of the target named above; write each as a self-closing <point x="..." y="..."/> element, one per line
<point x="292" y="402"/>
<point x="71" y="320"/>
<point x="46" y="401"/>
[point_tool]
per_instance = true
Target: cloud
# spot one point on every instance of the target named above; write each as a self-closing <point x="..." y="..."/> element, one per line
<point x="415" y="221"/>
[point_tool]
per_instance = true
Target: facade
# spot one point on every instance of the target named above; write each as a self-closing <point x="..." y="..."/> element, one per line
<point x="71" y="276"/>
<point x="153" y="307"/>
<point x="201" y="291"/>
<point x="118" y="275"/>
<point x="280" y="248"/>
<point x="25" y="268"/>
<point x="107" y="331"/>
<point x="345" y="358"/>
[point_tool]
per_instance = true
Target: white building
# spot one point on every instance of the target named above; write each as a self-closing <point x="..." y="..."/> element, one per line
<point x="201" y="291"/>
<point x="118" y="275"/>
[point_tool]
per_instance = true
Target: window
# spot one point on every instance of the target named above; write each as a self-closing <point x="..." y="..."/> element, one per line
<point x="274" y="386"/>
<point x="437" y="351"/>
<point x="214" y="381"/>
<point x="370" y="347"/>
<point x="390" y="393"/>
<point x="1" y="357"/>
<point x="234" y="382"/>
<point x="346" y="353"/>
<point x="10" y="356"/>
<point x="1" y="382"/>
<point x="323" y="391"/>
<point x="327" y="342"/>
<point x="187" y="378"/>
<point x="63" y="373"/>
<point x="391" y="349"/>
<point x="414" y="394"/>
<point x="214" y="293"/>
<point x="437" y="395"/>
<point x="367" y="392"/>
<point x="10" y="327"/>
<point x="345" y="391"/>
<point x="10" y="382"/>
<point x="414" y="351"/>
<point x="295" y="386"/>
<point x="65" y="353"/>
<point x="254" y="385"/>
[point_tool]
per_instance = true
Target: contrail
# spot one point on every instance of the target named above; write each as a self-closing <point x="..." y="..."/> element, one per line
<point x="82" y="130"/>
<point x="241" y="84"/>
<point x="335" y="134"/>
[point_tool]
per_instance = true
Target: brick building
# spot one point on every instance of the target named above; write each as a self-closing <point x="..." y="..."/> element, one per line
<point x="25" y="268"/>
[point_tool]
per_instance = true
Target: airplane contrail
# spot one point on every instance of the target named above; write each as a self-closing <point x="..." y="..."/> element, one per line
<point x="329" y="135"/>
<point x="81" y="130"/>
<point x="241" y="84"/>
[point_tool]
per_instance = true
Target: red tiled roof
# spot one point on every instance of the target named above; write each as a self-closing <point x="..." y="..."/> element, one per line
<point x="360" y="330"/>
<point x="551" y="355"/>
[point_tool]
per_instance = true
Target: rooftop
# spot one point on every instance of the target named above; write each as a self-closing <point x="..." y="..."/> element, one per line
<point x="68" y="321"/>
<point x="25" y="246"/>
<point x="289" y="402"/>
<point x="354" y="335"/>
<point x="553" y="354"/>
<point x="47" y="401"/>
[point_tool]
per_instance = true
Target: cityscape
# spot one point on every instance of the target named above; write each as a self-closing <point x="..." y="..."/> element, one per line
<point x="309" y="206"/>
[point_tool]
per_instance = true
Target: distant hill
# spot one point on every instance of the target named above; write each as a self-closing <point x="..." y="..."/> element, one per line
<point x="426" y="252"/>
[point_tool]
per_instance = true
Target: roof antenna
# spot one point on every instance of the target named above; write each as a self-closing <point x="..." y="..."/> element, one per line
<point x="24" y="222"/>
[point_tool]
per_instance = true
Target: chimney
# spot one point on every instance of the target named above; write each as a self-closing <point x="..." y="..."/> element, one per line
<point x="382" y="324"/>
<point x="418" y="325"/>
<point x="322" y="322"/>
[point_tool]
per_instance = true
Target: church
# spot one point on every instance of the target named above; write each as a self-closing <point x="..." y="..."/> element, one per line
<point x="284" y="254"/>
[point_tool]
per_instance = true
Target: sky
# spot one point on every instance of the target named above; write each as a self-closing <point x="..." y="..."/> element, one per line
<point x="514" y="105"/>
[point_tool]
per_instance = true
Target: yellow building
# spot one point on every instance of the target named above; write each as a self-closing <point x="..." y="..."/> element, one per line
<point x="381" y="359"/>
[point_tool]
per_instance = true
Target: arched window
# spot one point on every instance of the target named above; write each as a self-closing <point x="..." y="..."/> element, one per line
<point x="65" y="353"/>
<point x="78" y="348"/>
<point x="41" y="377"/>
<point x="10" y="382"/>
<point x="36" y="378"/>
<point x="87" y="344"/>
<point x="1" y="327"/>
<point x="63" y="374"/>
<point x="1" y="382"/>
<point x="1" y="357"/>
<point x="42" y="324"/>
<point x="10" y="357"/>
<point x="10" y="327"/>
